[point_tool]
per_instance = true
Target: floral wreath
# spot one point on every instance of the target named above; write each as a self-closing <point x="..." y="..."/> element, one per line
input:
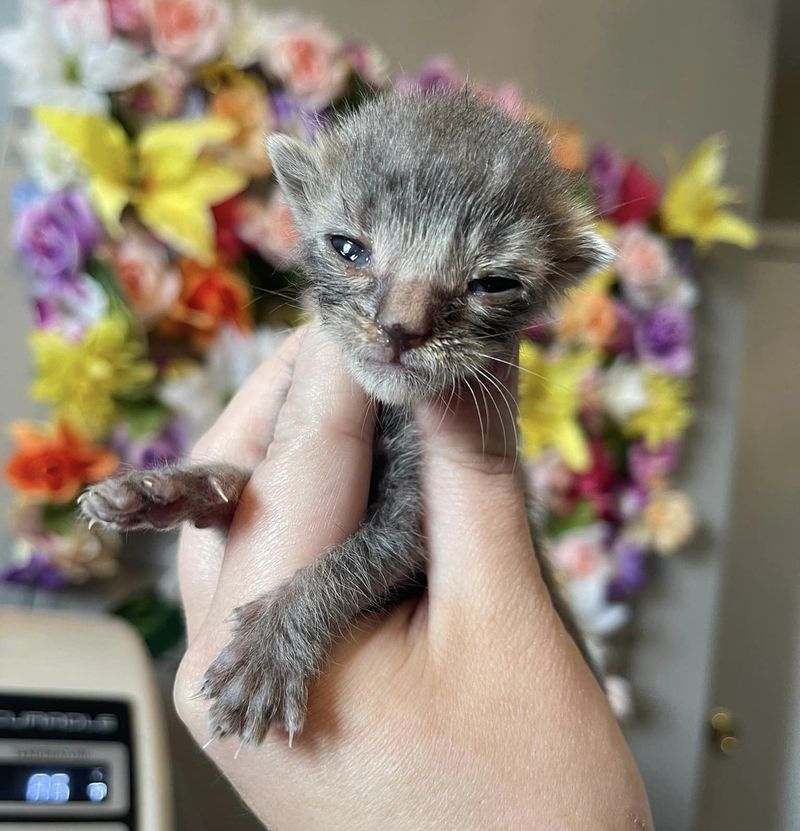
<point x="157" y="254"/>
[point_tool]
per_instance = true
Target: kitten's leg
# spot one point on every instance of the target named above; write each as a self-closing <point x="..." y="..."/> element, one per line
<point x="281" y="639"/>
<point x="164" y="498"/>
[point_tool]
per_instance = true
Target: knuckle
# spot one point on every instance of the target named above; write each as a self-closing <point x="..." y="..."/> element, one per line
<point x="191" y="709"/>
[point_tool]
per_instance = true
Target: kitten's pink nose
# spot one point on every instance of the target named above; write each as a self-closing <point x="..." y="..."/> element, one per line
<point x="400" y="338"/>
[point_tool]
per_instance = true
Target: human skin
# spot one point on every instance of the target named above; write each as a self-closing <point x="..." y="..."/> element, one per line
<point x="469" y="708"/>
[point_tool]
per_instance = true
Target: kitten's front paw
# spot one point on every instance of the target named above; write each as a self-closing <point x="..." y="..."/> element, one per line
<point x="162" y="499"/>
<point x="260" y="678"/>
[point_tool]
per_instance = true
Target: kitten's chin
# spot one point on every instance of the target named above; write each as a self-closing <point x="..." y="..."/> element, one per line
<point x="388" y="383"/>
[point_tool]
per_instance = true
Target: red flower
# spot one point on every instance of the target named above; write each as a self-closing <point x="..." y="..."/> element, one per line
<point x="598" y="484"/>
<point x="227" y="216"/>
<point x="639" y="195"/>
<point x="55" y="464"/>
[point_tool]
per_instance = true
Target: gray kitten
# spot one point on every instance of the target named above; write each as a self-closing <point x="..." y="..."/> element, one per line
<point x="433" y="227"/>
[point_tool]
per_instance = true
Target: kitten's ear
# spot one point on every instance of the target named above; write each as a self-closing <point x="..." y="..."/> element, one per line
<point x="588" y="252"/>
<point x="295" y="168"/>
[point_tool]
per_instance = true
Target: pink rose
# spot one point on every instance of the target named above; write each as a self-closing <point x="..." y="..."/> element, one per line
<point x="190" y="31"/>
<point x="581" y="552"/>
<point x="643" y="263"/>
<point x="269" y="228"/>
<point x="150" y="284"/>
<point x="308" y="59"/>
<point x="127" y="16"/>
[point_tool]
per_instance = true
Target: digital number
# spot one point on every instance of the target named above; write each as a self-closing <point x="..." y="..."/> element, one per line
<point x="48" y="787"/>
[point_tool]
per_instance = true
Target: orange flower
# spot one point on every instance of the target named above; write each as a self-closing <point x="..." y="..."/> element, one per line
<point x="210" y="297"/>
<point x="246" y="103"/>
<point x="588" y="317"/>
<point x="567" y="146"/>
<point x="54" y="465"/>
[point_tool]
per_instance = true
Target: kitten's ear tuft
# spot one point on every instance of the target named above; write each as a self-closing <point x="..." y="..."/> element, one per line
<point x="588" y="252"/>
<point x="295" y="168"/>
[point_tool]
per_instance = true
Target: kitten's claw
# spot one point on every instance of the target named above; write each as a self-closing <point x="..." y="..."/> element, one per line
<point x="258" y="679"/>
<point x="162" y="499"/>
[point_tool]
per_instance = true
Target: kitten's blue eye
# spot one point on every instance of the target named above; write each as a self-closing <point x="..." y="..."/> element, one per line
<point x="350" y="250"/>
<point x="493" y="285"/>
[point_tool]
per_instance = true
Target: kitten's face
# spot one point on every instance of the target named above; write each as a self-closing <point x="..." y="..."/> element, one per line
<point x="433" y="230"/>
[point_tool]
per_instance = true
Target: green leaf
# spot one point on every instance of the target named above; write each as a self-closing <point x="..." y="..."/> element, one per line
<point x="102" y="273"/>
<point x="581" y="516"/>
<point x="159" y="621"/>
<point x="58" y="519"/>
<point x="144" y="418"/>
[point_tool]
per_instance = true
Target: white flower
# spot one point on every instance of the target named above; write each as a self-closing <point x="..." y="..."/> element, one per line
<point x="623" y="390"/>
<point x="620" y="697"/>
<point x="588" y="599"/>
<point x="48" y="162"/>
<point x="199" y="394"/>
<point x="66" y="56"/>
<point x="248" y="31"/>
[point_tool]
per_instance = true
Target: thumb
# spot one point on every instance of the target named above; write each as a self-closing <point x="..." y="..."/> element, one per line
<point x="476" y="519"/>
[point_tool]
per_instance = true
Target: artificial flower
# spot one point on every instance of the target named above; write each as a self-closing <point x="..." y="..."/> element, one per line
<point x="666" y="414"/>
<point x="551" y="482"/>
<point x="32" y="568"/>
<point x="597" y="484"/>
<point x="55" y="233"/>
<point x="642" y="262"/>
<point x="168" y="446"/>
<point x="623" y="390"/>
<point x="307" y="58"/>
<point x="248" y="31"/>
<point x="189" y="31"/>
<point x="588" y="316"/>
<point x="596" y="614"/>
<point x="198" y="393"/>
<point x="664" y="339"/>
<point x="579" y="552"/>
<point x="630" y="569"/>
<point x="83" y="553"/>
<point x="161" y="95"/>
<point x="246" y="104"/>
<point x="48" y="162"/>
<point x="549" y="402"/>
<point x="70" y="308"/>
<point x="620" y="697"/>
<point x="55" y="464"/>
<point x="163" y="174"/>
<point x="694" y="201"/>
<point x="437" y="73"/>
<point x="369" y="63"/>
<point x="210" y="297"/>
<point x="606" y="170"/>
<point x="65" y="55"/>
<point x="639" y="195"/>
<point x="669" y="520"/>
<point x="269" y="228"/>
<point x="149" y="281"/>
<point x="127" y="17"/>
<point x="650" y="467"/>
<point x="81" y="379"/>
<point x="227" y="217"/>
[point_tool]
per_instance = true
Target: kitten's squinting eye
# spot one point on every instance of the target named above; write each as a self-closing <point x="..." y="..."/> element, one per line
<point x="493" y="285"/>
<point x="350" y="250"/>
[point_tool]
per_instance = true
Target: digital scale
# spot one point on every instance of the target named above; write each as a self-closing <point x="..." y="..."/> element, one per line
<point x="82" y="737"/>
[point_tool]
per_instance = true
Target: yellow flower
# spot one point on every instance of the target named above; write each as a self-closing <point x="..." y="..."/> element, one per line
<point x="666" y="414"/>
<point x="693" y="201"/>
<point x="162" y="174"/>
<point x="669" y="521"/>
<point x="549" y="401"/>
<point x="81" y="379"/>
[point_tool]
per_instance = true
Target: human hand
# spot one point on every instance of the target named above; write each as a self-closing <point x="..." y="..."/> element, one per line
<point x="469" y="708"/>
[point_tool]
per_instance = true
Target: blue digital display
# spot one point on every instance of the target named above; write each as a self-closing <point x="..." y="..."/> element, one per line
<point x="39" y="785"/>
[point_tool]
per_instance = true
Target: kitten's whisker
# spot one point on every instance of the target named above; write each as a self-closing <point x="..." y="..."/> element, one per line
<point x="480" y="418"/>
<point x="480" y="374"/>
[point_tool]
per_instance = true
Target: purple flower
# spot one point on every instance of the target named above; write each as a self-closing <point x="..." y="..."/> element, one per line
<point x="38" y="571"/>
<point x="69" y="307"/>
<point x="166" y="447"/>
<point x="54" y="235"/>
<point x="437" y="73"/>
<point x="606" y="170"/>
<point x="647" y="466"/>
<point x="664" y="338"/>
<point x="631" y="571"/>
<point x="292" y="117"/>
